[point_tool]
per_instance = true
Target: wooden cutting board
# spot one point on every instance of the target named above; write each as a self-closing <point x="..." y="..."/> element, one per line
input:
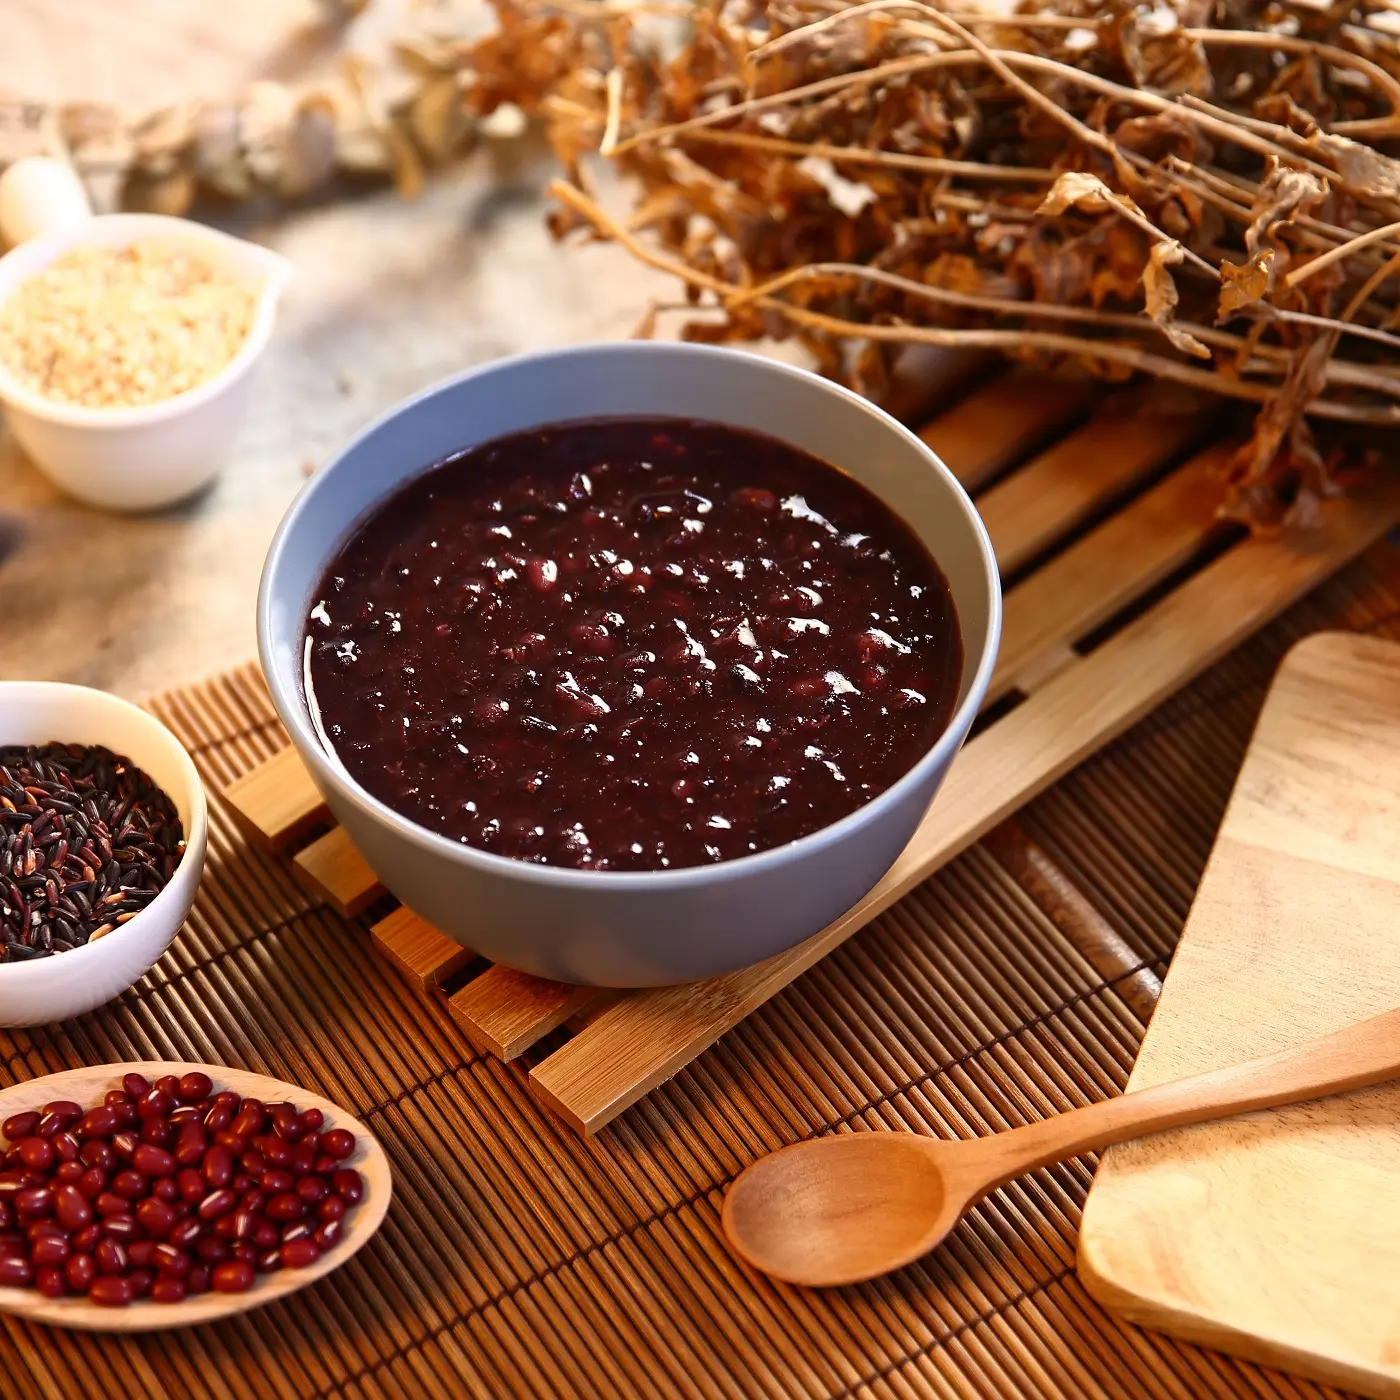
<point x="1277" y="1236"/>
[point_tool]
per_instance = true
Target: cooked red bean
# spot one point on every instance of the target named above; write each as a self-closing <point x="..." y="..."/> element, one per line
<point x="167" y="1289"/>
<point x="247" y="1251"/>
<point x="65" y="1146"/>
<point x="37" y="1229"/>
<point x="130" y="1184"/>
<point x="311" y="1121"/>
<point x="15" y="1271"/>
<point x="251" y="1163"/>
<point x="169" y="1084"/>
<point x="34" y="1202"/>
<point x="124" y="1144"/>
<point x="36" y="1153"/>
<point x="137" y="1085"/>
<point x="348" y="1185"/>
<point x="232" y="1276"/>
<point x="191" y="1185"/>
<point x="156" y="1217"/>
<point x="112" y="1292"/>
<point x="190" y="1144"/>
<point x="218" y="1118"/>
<point x="237" y="1143"/>
<point x="298" y="1230"/>
<point x="154" y="1104"/>
<point x="141" y="1281"/>
<point x="217" y="1203"/>
<point x="217" y="1167"/>
<point x="20" y="1125"/>
<point x="269" y="1261"/>
<point x="337" y="1143"/>
<point x="109" y="1203"/>
<point x="92" y="1183"/>
<point x="300" y="1254"/>
<point x="142" y="1253"/>
<point x="332" y="1208"/>
<point x="69" y="1173"/>
<point x="328" y="1233"/>
<point x="6" y="1216"/>
<point x="158" y="1132"/>
<point x="188" y="1113"/>
<point x="121" y="1227"/>
<point x="267" y="1235"/>
<point x="197" y="1280"/>
<point x="165" y="1189"/>
<point x="85" y="1240"/>
<point x="245" y="1223"/>
<point x="213" y="1250"/>
<point x="276" y="1153"/>
<point x="111" y="1258"/>
<point x="303" y="1159"/>
<point x="194" y="1086"/>
<point x="287" y="1206"/>
<point x="14" y="1245"/>
<point x="154" y="1161"/>
<point x="71" y="1206"/>
<point x="325" y="1164"/>
<point x="186" y="1232"/>
<point x="50" y="1252"/>
<point x="98" y="1122"/>
<point x="117" y="1098"/>
<point x="167" y="1259"/>
<point x="312" y="1189"/>
<point x="51" y="1283"/>
<point x="98" y="1154"/>
<point x="80" y="1271"/>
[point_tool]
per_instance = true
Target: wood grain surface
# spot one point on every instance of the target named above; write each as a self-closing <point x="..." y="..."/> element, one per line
<point x="1275" y="1236"/>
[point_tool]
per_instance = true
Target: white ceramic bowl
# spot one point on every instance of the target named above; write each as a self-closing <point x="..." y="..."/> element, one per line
<point x="52" y="989"/>
<point x="142" y="458"/>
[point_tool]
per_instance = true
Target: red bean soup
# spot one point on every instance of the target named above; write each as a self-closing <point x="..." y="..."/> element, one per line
<point x="632" y="644"/>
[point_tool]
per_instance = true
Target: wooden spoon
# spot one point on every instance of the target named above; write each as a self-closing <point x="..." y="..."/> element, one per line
<point x="845" y="1208"/>
<point x="87" y="1086"/>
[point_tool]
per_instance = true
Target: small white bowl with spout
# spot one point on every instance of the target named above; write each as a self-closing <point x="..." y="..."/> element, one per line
<point x="151" y="455"/>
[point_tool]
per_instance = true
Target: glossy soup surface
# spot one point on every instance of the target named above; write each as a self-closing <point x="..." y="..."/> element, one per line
<point x="632" y="645"/>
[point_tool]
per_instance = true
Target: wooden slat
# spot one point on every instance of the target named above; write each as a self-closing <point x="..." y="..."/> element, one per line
<point x="1064" y="485"/>
<point x="1110" y="567"/>
<point x="506" y="1012"/>
<point x="1000" y="422"/>
<point x="420" y="953"/>
<point x="643" y="1039"/>
<point x="335" y="870"/>
<point x="277" y="802"/>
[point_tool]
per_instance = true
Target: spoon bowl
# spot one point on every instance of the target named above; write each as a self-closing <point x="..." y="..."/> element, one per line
<point x="841" y="1209"/>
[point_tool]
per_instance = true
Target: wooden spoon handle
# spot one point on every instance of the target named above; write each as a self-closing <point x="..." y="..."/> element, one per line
<point x="1366" y="1053"/>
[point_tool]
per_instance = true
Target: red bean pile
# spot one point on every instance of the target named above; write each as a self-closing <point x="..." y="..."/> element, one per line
<point x="167" y="1190"/>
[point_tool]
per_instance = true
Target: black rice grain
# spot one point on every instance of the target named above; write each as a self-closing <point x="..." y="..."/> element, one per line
<point x="87" y="840"/>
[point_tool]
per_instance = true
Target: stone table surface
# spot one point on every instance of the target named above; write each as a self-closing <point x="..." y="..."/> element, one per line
<point x="388" y="296"/>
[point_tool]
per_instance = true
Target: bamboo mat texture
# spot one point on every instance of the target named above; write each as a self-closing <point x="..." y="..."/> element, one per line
<point x="519" y="1259"/>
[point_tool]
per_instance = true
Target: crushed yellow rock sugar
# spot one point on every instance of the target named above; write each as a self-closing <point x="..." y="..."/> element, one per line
<point x="116" y="327"/>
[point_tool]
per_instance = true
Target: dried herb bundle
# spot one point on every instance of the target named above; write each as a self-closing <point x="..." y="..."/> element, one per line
<point x="1197" y="190"/>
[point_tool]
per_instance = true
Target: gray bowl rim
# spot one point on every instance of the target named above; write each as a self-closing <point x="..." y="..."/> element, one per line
<point x="290" y="703"/>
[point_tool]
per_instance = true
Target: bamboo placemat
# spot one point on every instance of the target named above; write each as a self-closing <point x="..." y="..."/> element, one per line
<point x="520" y="1259"/>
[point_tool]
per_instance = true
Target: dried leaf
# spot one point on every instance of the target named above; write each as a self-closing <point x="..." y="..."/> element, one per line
<point x="1161" y="295"/>
<point x="1161" y="57"/>
<point x="1076" y="189"/>
<point x="1241" y="287"/>
<point x="1284" y="195"/>
<point x="1364" y="170"/>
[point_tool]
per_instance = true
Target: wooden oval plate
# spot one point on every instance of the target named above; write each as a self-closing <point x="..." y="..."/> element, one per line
<point x="87" y="1086"/>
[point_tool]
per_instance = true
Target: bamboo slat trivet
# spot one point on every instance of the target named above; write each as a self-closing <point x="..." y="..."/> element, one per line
<point x="522" y="1262"/>
<point x="1095" y="519"/>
